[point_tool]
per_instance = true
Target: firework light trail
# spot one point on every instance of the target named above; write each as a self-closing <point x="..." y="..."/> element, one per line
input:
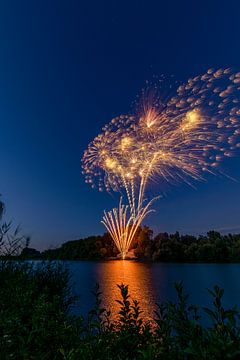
<point x="180" y="139"/>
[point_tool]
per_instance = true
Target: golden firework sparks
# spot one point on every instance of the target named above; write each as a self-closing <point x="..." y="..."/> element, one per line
<point x="178" y="140"/>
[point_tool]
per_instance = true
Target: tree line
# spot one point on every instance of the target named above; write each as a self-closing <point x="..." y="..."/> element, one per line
<point x="212" y="247"/>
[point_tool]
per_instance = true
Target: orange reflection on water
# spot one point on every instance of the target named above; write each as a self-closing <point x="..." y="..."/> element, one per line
<point x="134" y="274"/>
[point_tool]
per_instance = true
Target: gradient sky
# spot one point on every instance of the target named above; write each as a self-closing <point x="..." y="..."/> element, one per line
<point x="66" y="69"/>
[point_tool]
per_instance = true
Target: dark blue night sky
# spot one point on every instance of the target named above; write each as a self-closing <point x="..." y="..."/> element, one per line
<point x="67" y="68"/>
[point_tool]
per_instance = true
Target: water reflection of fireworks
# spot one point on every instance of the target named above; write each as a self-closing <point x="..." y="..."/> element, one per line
<point x="179" y="140"/>
<point x="139" y="278"/>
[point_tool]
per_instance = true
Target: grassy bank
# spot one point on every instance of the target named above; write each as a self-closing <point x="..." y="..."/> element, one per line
<point x="35" y="322"/>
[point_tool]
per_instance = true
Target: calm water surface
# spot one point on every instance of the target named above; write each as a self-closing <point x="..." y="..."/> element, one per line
<point x="151" y="282"/>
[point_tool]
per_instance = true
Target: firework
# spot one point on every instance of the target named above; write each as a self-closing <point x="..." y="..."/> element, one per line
<point x="179" y="139"/>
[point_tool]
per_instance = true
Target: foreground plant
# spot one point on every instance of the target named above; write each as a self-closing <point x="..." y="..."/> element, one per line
<point x="37" y="324"/>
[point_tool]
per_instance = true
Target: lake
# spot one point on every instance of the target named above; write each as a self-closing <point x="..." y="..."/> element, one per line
<point x="151" y="282"/>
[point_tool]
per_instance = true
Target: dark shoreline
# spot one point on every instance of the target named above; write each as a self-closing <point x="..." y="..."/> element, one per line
<point x="165" y="248"/>
<point x="146" y="261"/>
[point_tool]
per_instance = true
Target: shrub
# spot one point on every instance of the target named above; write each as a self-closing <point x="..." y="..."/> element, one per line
<point x="35" y="322"/>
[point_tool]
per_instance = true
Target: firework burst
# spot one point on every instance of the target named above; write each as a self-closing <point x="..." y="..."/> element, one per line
<point x="180" y="139"/>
